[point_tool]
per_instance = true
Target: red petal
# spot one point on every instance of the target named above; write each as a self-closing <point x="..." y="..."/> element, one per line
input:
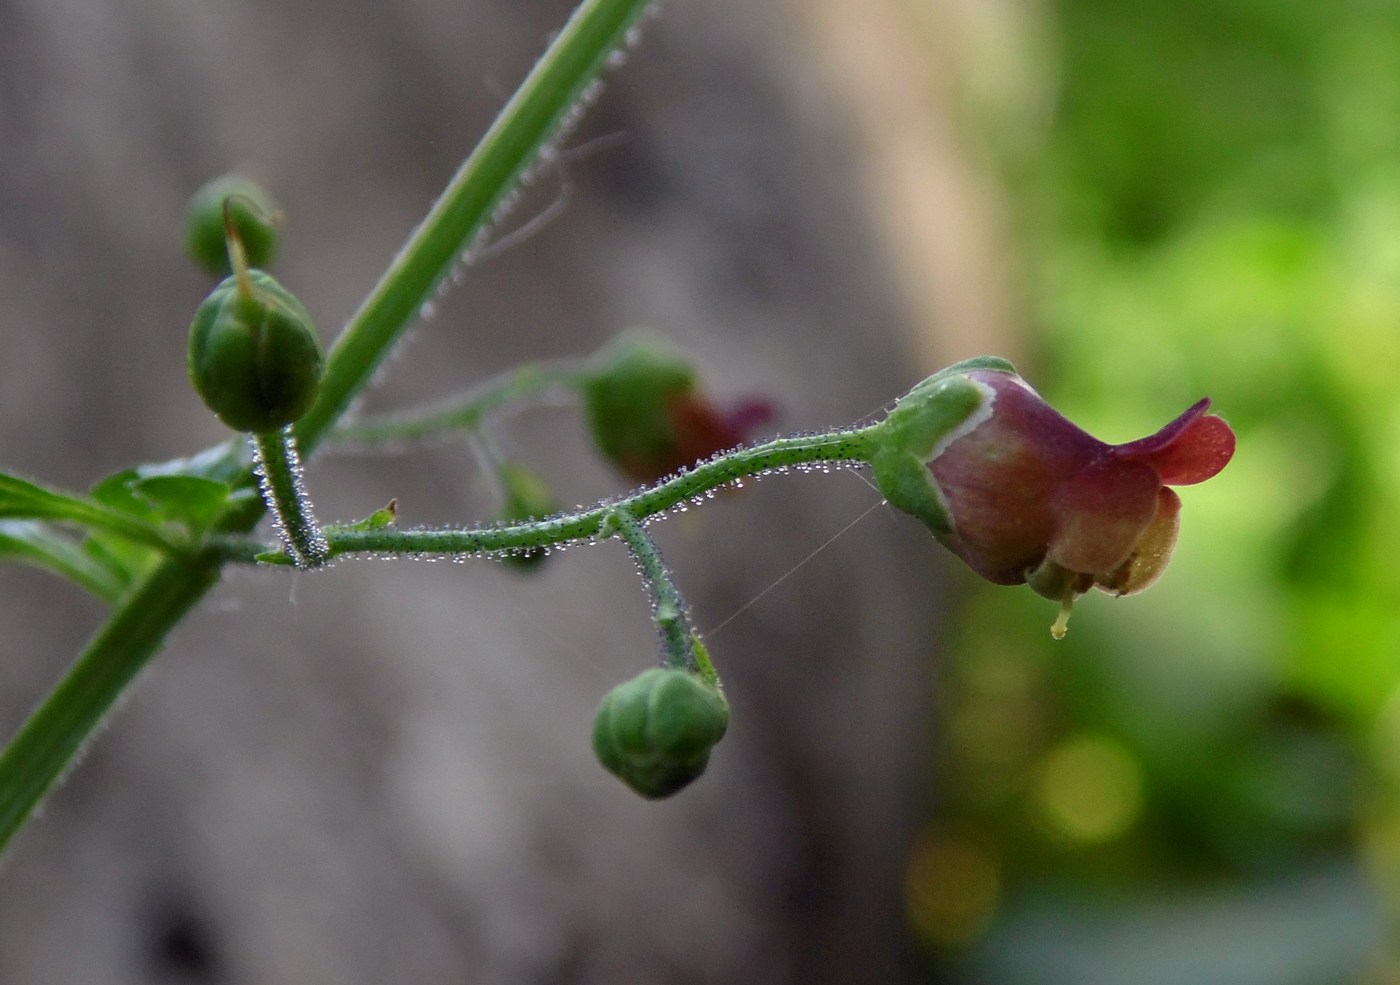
<point x="1190" y="449"/>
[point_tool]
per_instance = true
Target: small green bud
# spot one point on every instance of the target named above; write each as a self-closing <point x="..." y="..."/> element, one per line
<point x="252" y="213"/>
<point x="655" y="732"/>
<point x="254" y="356"/>
<point x="627" y="402"/>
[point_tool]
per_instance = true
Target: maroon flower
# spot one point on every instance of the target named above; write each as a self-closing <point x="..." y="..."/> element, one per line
<point x="1032" y="498"/>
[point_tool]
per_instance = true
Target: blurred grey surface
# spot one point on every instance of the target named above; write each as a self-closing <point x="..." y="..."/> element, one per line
<point x="382" y="773"/>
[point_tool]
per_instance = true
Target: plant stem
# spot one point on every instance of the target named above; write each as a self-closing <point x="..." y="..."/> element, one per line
<point x="782" y="453"/>
<point x="668" y="609"/>
<point x="525" y="126"/>
<point x="279" y="475"/>
<point x="72" y="712"/>
<point x="466" y="411"/>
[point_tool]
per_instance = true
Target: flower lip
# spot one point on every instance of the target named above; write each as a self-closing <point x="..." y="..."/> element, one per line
<point x="1190" y="449"/>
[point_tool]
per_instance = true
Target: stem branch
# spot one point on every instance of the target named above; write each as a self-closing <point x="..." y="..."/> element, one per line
<point x="781" y="453"/>
<point x="668" y="609"/>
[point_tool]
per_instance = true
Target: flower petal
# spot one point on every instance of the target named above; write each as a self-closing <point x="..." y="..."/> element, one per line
<point x="1190" y="449"/>
<point x="1152" y="551"/>
<point x="1101" y="513"/>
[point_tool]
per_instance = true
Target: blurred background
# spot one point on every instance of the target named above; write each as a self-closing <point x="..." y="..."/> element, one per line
<point x="382" y="773"/>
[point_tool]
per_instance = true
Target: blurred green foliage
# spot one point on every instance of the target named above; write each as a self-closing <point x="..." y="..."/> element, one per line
<point x="1211" y="205"/>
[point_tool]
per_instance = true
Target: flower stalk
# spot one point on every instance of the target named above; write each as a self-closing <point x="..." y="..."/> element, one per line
<point x="668" y="609"/>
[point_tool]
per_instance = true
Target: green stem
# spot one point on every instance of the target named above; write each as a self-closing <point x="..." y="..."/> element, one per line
<point x="782" y="453"/>
<point x="48" y="741"/>
<point x="527" y="125"/>
<point x="279" y="474"/>
<point x="668" y="609"/>
<point x="466" y="411"/>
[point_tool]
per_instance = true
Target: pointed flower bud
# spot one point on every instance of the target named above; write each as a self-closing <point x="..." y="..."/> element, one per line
<point x="254" y="356"/>
<point x="1022" y="495"/>
<point x="649" y="418"/>
<point x="252" y="213"/>
<point x="655" y="732"/>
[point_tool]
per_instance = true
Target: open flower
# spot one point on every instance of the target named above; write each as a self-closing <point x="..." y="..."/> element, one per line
<point x="1023" y="495"/>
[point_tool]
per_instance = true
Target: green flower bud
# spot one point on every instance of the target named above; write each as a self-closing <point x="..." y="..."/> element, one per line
<point x="254" y="356"/>
<point x="649" y="417"/>
<point x="252" y="213"/>
<point x="655" y="732"/>
<point x="626" y="402"/>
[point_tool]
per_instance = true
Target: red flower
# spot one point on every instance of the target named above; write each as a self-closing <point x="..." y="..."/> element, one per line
<point x="1029" y="497"/>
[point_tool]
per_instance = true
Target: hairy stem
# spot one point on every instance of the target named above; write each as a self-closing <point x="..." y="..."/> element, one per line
<point x="835" y="446"/>
<point x="279" y="474"/>
<point x="668" y="609"/>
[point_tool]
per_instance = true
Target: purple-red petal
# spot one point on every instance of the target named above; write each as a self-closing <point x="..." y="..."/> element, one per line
<point x="1190" y="449"/>
<point x="1101" y="513"/>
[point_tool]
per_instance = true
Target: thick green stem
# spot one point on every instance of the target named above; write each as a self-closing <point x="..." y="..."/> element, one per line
<point x="667" y="607"/>
<point x="529" y="122"/>
<point x="72" y="712"/>
<point x="782" y="453"/>
<point x="279" y="474"/>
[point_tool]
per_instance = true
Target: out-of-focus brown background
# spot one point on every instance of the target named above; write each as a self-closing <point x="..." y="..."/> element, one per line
<point x="382" y="773"/>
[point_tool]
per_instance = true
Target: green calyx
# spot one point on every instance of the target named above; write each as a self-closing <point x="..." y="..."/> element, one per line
<point x="905" y="440"/>
<point x="655" y="732"/>
<point x="626" y="399"/>
<point x="251" y="213"/>
<point x="254" y="357"/>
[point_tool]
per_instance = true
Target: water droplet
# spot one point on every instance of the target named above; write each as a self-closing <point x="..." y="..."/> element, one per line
<point x="427" y="310"/>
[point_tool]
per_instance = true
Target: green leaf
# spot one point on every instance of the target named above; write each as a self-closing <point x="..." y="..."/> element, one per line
<point x="194" y="491"/>
<point x="24" y="500"/>
<point x="31" y="542"/>
<point x="189" y="499"/>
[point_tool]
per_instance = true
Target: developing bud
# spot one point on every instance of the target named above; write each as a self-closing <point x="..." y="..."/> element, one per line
<point x="251" y="212"/>
<point x="649" y="418"/>
<point x="254" y="356"/>
<point x="655" y="732"/>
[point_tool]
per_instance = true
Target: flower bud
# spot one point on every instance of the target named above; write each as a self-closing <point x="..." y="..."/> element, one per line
<point x="254" y="357"/>
<point x="648" y="417"/>
<point x="252" y="213"/>
<point x="655" y="732"/>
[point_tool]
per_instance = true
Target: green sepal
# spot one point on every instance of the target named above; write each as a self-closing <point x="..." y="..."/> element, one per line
<point x="626" y="398"/>
<point x="252" y="212"/>
<point x="655" y="732"/>
<point x="905" y="440"/>
<point x="254" y="358"/>
<point x="383" y="517"/>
